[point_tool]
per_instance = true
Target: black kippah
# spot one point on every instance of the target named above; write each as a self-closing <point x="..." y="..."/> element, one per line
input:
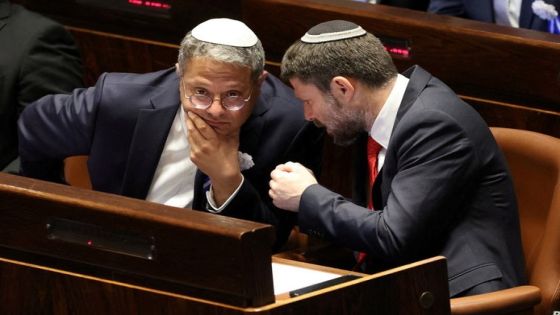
<point x="331" y="31"/>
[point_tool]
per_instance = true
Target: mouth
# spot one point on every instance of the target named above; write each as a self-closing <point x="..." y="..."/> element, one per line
<point x="216" y="124"/>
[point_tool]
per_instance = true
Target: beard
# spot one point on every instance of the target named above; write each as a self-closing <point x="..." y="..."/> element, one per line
<point x="344" y="125"/>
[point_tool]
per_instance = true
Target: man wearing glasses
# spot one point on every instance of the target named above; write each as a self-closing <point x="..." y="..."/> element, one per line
<point x="203" y="135"/>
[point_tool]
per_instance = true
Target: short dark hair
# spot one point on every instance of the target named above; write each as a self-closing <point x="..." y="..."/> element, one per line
<point x="363" y="58"/>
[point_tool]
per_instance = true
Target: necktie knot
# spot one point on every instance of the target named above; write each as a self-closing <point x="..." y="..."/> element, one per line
<point x="373" y="148"/>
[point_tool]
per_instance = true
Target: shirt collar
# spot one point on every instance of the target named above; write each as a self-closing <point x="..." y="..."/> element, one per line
<point x="383" y="125"/>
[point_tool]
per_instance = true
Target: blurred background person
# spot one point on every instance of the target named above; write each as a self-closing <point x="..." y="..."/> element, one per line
<point x="421" y="5"/>
<point x="514" y="13"/>
<point x="37" y="57"/>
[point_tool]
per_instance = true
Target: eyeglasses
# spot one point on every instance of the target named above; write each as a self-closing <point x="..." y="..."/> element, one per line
<point x="201" y="101"/>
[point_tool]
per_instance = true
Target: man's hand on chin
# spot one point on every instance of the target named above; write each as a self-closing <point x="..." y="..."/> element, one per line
<point x="216" y="156"/>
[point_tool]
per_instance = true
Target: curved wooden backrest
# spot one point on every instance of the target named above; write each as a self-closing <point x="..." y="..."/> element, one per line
<point x="534" y="161"/>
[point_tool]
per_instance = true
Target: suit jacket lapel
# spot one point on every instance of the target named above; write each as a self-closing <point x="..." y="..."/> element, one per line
<point x="250" y="133"/>
<point x="149" y="138"/>
<point x="199" y="198"/>
<point x="419" y="78"/>
<point x="526" y="15"/>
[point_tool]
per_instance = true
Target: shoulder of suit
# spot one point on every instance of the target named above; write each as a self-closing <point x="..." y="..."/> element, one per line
<point x="28" y="21"/>
<point x="273" y="90"/>
<point x="157" y="78"/>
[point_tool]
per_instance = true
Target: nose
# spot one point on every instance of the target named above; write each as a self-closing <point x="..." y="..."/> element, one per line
<point x="308" y="112"/>
<point x="216" y="109"/>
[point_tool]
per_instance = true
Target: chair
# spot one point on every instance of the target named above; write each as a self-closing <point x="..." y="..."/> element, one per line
<point x="76" y="172"/>
<point x="534" y="161"/>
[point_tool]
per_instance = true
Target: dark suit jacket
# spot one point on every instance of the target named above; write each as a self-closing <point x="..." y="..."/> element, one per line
<point x="483" y="10"/>
<point x="37" y="57"/>
<point x="444" y="189"/>
<point x="122" y="124"/>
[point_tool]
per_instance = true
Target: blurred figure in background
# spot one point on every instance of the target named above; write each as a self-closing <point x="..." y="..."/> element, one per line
<point x="514" y="13"/>
<point x="37" y="57"/>
<point x="421" y="5"/>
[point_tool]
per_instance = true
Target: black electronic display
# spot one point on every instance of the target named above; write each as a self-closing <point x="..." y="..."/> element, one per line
<point x="157" y="8"/>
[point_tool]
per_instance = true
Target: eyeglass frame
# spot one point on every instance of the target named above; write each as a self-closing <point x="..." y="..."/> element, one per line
<point x="212" y="100"/>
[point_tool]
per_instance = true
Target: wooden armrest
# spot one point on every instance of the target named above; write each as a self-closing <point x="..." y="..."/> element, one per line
<point x="509" y="301"/>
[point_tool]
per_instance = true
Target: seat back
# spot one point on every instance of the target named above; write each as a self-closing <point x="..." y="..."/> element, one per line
<point x="534" y="161"/>
<point x="76" y="172"/>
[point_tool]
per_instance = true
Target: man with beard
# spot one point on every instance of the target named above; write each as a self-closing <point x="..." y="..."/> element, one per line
<point x="432" y="174"/>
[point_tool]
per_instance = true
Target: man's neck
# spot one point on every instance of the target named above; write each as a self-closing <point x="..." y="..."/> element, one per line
<point x="373" y="100"/>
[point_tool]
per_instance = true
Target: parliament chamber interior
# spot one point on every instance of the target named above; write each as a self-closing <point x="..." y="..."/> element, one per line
<point x="127" y="256"/>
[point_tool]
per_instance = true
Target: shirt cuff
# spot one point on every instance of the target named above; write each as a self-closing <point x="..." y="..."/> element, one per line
<point x="212" y="204"/>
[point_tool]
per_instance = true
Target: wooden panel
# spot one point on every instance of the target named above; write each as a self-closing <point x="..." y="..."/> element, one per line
<point x="183" y="16"/>
<point x="487" y="60"/>
<point x="104" y="52"/>
<point x="181" y="250"/>
<point x="418" y="288"/>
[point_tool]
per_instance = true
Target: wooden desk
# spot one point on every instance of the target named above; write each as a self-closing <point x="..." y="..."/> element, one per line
<point x="419" y="288"/>
<point x="65" y="250"/>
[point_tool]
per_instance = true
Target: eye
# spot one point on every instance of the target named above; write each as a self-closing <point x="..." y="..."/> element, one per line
<point x="233" y="94"/>
<point x="200" y="91"/>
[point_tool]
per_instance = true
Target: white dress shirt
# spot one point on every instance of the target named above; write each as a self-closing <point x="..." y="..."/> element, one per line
<point x="507" y="12"/>
<point x="173" y="181"/>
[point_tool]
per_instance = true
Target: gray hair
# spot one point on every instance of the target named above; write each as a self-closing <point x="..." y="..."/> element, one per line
<point x="363" y="58"/>
<point x="252" y="57"/>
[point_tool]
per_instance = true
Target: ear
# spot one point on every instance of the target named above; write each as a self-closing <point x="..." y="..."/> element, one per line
<point x="342" y="88"/>
<point x="262" y="77"/>
<point x="177" y="69"/>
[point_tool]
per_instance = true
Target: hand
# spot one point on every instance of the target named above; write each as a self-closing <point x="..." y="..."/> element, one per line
<point x="287" y="184"/>
<point x="215" y="155"/>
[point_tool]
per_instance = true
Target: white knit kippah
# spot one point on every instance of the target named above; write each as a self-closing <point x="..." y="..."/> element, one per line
<point x="225" y="32"/>
<point x="332" y="31"/>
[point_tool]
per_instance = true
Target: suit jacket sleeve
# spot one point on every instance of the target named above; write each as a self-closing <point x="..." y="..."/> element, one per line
<point x="447" y="7"/>
<point x="55" y="127"/>
<point x="429" y="156"/>
<point x="252" y="202"/>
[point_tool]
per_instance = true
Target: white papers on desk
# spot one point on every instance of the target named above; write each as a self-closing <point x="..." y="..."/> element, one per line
<point x="288" y="278"/>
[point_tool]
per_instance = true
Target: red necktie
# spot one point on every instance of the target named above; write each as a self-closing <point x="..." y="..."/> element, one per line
<point x="373" y="149"/>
